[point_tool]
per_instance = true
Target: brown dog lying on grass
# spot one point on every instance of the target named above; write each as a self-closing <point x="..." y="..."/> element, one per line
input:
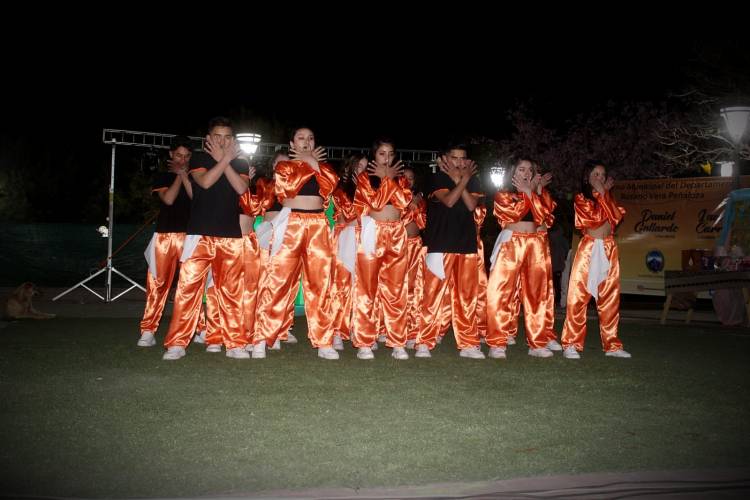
<point x="18" y="305"/>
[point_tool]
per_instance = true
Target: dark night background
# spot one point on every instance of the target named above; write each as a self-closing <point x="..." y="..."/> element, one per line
<point x="421" y="92"/>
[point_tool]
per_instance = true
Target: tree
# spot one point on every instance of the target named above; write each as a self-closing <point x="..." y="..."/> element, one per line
<point x="694" y="133"/>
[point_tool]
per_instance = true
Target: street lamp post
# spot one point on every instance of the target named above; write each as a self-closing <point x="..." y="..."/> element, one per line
<point x="736" y="120"/>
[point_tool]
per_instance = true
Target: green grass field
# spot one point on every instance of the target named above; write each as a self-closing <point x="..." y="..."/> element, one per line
<point x="87" y="413"/>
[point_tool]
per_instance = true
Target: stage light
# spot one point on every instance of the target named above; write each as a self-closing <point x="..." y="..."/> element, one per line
<point x="497" y="175"/>
<point x="726" y="168"/>
<point x="249" y="142"/>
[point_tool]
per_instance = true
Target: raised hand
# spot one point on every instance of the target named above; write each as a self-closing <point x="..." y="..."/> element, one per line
<point x="213" y="148"/>
<point x="395" y="170"/>
<point x="597" y="185"/>
<point x="545" y="180"/>
<point x="469" y="169"/>
<point x="376" y="170"/>
<point x="522" y="185"/>
<point x="251" y="172"/>
<point x="450" y="170"/>
<point x="609" y="183"/>
<point x="320" y="154"/>
<point x="231" y="149"/>
<point x="309" y="157"/>
<point x="176" y="168"/>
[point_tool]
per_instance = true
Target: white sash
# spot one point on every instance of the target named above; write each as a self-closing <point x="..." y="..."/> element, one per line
<point x="150" y="255"/>
<point x="368" y="235"/>
<point x="598" y="268"/>
<point x="347" y="250"/>
<point x="279" y="229"/>
<point x="435" y="264"/>
<point x="503" y="237"/>
<point x="264" y="231"/>
<point x="191" y="241"/>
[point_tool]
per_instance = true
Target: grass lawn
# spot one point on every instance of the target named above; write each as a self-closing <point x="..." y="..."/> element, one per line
<point x="87" y="413"/>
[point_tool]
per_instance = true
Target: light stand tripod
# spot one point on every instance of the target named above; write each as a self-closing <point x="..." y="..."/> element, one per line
<point x="109" y="268"/>
<point x="152" y="140"/>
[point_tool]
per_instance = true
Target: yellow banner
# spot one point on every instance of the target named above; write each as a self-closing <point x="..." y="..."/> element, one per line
<point x="665" y="217"/>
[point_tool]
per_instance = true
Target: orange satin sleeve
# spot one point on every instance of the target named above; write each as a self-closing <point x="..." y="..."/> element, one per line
<point x="542" y="206"/>
<point x="480" y="212"/>
<point x="420" y="217"/>
<point x="264" y="188"/>
<point x="416" y="213"/>
<point x="611" y="209"/>
<point x="401" y="194"/>
<point x="251" y="203"/>
<point x="367" y="199"/>
<point x="290" y="176"/>
<point x="327" y="180"/>
<point x="342" y="206"/>
<point x="510" y="207"/>
<point x="591" y="214"/>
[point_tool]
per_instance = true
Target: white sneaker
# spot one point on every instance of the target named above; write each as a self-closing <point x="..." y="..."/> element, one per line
<point x="422" y="352"/>
<point x="399" y="353"/>
<point x="381" y="339"/>
<point x="327" y="353"/>
<point x="276" y="345"/>
<point x="259" y="350"/>
<point x="411" y="344"/>
<point x="147" y="340"/>
<point x="174" y="353"/>
<point x="365" y="353"/>
<point x="554" y="345"/>
<point x="511" y="340"/>
<point x="374" y="346"/>
<point x="541" y="352"/>
<point x="200" y="338"/>
<point x="619" y="353"/>
<point x="338" y="344"/>
<point x="497" y="353"/>
<point x="571" y="353"/>
<point x="213" y="348"/>
<point x="472" y="352"/>
<point x="238" y="353"/>
<point x="291" y="339"/>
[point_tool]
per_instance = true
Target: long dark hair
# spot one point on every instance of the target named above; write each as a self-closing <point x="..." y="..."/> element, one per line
<point x="515" y="161"/>
<point x="346" y="174"/>
<point x="589" y="167"/>
<point x="379" y="141"/>
<point x="418" y="181"/>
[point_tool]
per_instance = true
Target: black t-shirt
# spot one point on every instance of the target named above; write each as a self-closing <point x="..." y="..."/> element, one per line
<point x="172" y="218"/>
<point x="450" y="229"/>
<point x="214" y="211"/>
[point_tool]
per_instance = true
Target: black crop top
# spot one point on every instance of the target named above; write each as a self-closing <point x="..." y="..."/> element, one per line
<point x="529" y="217"/>
<point x="310" y="188"/>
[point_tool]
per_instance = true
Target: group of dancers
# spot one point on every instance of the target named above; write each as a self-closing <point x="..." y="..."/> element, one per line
<point x="402" y="264"/>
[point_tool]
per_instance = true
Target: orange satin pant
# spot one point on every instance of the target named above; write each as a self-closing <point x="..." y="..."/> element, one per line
<point x="213" y="321"/>
<point x="168" y="250"/>
<point x="461" y="269"/>
<point x="306" y="249"/>
<point x="608" y="304"/>
<point x="382" y="275"/>
<point x="481" y="291"/>
<point x="288" y="316"/>
<point x="341" y="291"/>
<point x="251" y="258"/>
<point x="521" y="259"/>
<point x="549" y="307"/>
<point x="446" y="310"/>
<point x="224" y="257"/>
<point x="414" y="284"/>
